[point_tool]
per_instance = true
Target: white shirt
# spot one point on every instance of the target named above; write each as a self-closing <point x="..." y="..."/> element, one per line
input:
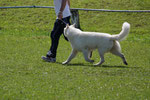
<point x="66" y="11"/>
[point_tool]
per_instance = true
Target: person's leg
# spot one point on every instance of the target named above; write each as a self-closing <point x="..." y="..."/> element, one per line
<point x="55" y="35"/>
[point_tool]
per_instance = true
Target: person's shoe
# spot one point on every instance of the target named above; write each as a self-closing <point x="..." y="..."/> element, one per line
<point x="48" y="59"/>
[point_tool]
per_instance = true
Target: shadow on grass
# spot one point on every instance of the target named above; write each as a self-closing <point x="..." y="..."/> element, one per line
<point x="74" y="64"/>
<point x="103" y="66"/>
<point x="107" y="66"/>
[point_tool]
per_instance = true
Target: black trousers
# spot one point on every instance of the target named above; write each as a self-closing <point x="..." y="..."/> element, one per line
<point x="56" y="33"/>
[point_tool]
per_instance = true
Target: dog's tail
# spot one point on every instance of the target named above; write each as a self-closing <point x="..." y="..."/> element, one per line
<point x="123" y="34"/>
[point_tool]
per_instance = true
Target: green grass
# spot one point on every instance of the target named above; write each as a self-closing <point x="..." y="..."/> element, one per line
<point x="24" y="38"/>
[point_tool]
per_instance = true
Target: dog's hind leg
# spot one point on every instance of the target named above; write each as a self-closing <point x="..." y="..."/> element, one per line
<point x="86" y="55"/>
<point x="116" y="50"/>
<point x="120" y="55"/>
<point x="72" y="55"/>
<point x="102" y="60"/>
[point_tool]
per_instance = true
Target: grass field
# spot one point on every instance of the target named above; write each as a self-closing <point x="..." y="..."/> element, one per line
<point x="24" y="38"/>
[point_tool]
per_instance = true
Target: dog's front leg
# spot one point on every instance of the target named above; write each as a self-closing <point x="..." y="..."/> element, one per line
<point x="72" y="55"/>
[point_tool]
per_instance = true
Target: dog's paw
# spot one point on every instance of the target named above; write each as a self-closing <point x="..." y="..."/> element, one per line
<point x="65" y="62"/>
<point x="96" y="64"/>
<point x="125" y="63"/>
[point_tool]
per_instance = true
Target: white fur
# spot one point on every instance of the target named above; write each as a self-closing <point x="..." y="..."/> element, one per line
<point x="86" y="42"/>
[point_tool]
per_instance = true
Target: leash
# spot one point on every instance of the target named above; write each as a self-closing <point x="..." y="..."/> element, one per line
<point x="63" y="22"/>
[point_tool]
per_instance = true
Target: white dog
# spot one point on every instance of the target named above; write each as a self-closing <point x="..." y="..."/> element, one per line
<point x="86" y="42"/>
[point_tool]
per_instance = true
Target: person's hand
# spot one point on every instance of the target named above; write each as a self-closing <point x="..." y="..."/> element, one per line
<point x="60" y="15"/>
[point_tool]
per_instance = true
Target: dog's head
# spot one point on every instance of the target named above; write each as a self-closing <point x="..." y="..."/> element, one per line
<point x="68" y="29"/>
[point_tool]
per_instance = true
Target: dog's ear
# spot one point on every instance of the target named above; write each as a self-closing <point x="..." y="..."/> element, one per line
<point x="74" y="25"/>
<point x="67" y="26"/>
